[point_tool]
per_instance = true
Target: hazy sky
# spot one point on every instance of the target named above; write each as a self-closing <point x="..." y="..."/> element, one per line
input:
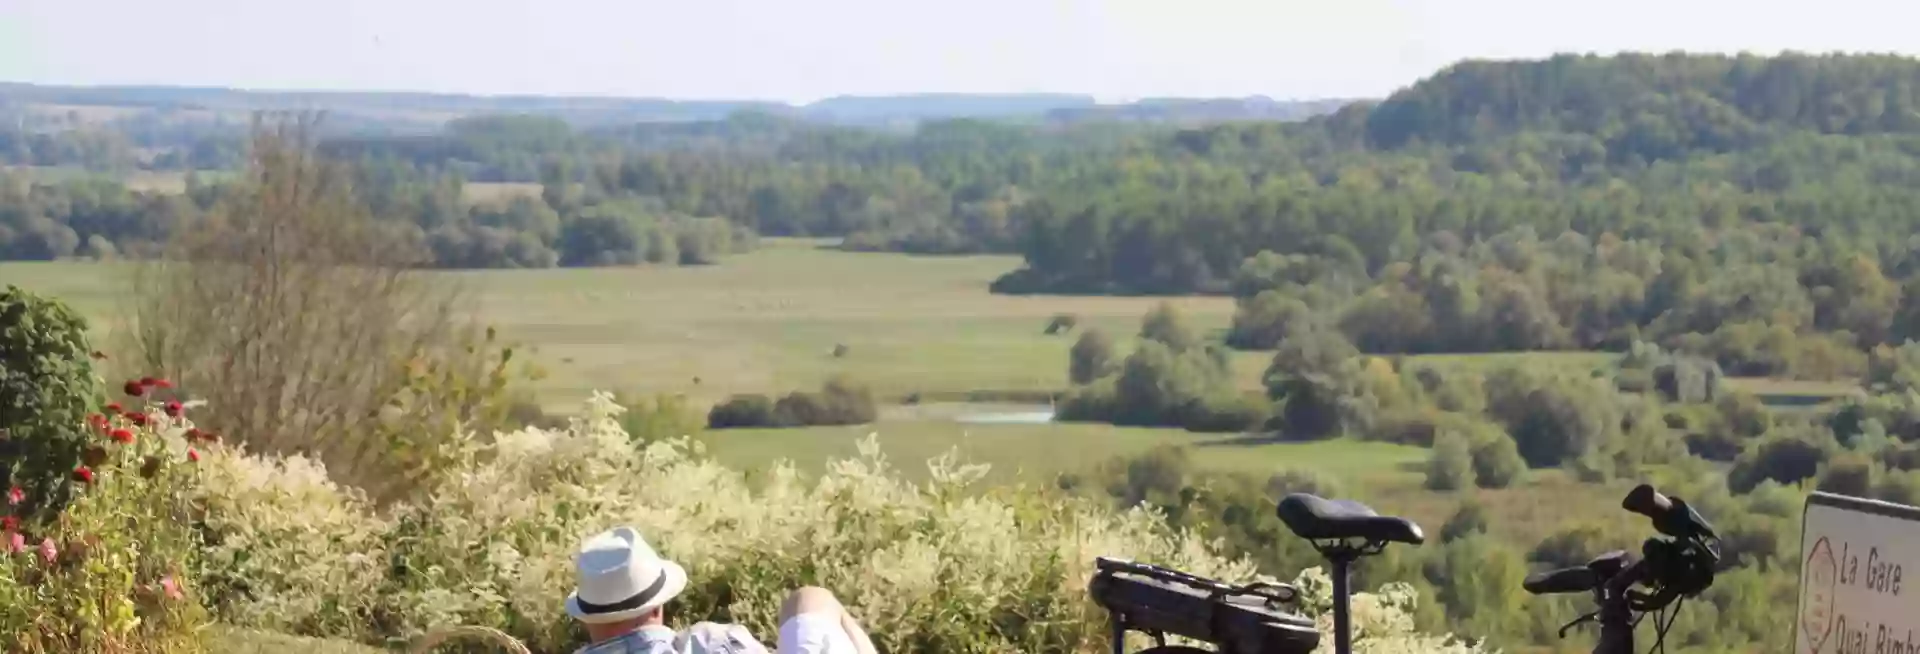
<point x="800" y="50"/>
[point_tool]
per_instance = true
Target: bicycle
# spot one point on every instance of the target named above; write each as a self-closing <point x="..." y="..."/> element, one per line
<point x="1158" y="601"/>
<point x="1673" y="569"/>
<point x="1248" y="618"/>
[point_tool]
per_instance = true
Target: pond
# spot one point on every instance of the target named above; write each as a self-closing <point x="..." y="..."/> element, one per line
<point x="1040" y="417"/>
<point x="976" y="413"/>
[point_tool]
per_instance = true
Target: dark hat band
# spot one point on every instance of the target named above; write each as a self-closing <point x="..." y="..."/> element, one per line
<point x="637" y="601"/>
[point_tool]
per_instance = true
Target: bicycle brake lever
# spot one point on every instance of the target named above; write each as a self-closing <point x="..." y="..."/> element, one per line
<point x="1585" y="618"/>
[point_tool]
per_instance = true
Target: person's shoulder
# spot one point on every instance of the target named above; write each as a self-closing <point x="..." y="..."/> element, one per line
<point x="717" y="638"/>
<point x="633" y="643"/>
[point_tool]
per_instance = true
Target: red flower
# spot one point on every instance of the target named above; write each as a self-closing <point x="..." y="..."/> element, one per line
<point x="137" y="418"/>
<point x="115" y="407"/>
<point x="173" y="408"/>
<point x="9" y="523"/>
<point x="193" y="455"/>
<point x="83" y="475"/>
<point x="16" y="543"/>
<point x="162" y="383"/>
<point x="193" y="434"/>
<point x="124" y="436"/>
<point x="134" y="388"/>
<point x="15" y="496"/>
<point x="97" y="421"/>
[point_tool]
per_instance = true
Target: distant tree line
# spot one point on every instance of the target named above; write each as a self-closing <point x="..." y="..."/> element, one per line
<point x="1689" y="152"/>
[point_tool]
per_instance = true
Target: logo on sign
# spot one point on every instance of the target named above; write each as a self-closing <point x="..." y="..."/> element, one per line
<point x="1816" y="595"/>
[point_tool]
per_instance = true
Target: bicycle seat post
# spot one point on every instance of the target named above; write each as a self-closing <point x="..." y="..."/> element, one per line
<point x="1342" y="560"/>
<point x="1334" y="527"/>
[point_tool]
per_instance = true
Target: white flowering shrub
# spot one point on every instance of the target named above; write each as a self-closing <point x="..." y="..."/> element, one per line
<point x="930" y="567"/>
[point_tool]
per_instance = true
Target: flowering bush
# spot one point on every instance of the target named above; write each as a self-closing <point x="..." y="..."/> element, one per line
<point x="112" y="571"/>
<point x="929" y="567"/>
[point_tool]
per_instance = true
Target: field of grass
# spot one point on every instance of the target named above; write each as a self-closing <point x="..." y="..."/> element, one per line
<point x="1036" y="453"/>
<point x="763" y="322"/>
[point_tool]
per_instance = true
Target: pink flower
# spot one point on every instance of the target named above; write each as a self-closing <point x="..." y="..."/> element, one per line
<point x="48" y="551"/>
<point x="171" y="587"/>
<point x="16" y="543"/>
<point x="15" y="496"/>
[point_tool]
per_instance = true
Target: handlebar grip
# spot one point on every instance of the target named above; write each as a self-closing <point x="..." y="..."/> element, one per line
<point x="1564" y="580"/>
<point x="1646" y="501"/>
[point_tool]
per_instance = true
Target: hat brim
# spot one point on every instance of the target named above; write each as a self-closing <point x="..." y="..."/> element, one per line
<point x="676" y="582"/>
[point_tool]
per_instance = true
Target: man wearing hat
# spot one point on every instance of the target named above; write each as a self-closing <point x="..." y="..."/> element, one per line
<point x="624" y="587"/>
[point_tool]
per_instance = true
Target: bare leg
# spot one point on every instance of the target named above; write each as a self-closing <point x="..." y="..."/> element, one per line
<point x="820" y="601"/>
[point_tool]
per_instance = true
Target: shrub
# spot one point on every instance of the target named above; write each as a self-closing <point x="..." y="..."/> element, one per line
<point x="1168" y="326"/>
<point x="928" y="566"/>
<point x="115" y="571"/>
<point x="1850" y="474"/>
<point x="1786" y="458"/>
<point x="302" y="318"/>
<point x="1451" y="466"/>
<point x="659" y="417"/>
<point x="1158" y="385"/>
<point x="1062" y="323"/>
<point x="1091" y="357"/>
<point x="1469" y="519"/>
<point x="838" y="402"/>
<point x="742" y="411"/>
<point x="1226" y="413"/>
<point x="1578" y="543"/>
<point x="1497" y="462"/>
<point x="46" y="388"/>
<point x="1260" y="323"/>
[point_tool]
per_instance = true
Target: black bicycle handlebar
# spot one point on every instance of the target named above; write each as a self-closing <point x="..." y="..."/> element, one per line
<point x="1564" y="580"/>
<point x="1670" y="515"/>
<point x="1671" y="569"/>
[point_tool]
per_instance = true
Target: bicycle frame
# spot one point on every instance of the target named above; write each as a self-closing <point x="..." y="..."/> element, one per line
<point x="1616" y="612"/>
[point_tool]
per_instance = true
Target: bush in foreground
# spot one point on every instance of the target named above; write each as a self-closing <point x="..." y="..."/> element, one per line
<point x="932" y="567"/>
<point x="46" y="388"/>
<point x="115" y="570"/>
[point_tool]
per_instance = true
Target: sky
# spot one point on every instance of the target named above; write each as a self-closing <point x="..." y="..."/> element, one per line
<point x="804" y="50"/>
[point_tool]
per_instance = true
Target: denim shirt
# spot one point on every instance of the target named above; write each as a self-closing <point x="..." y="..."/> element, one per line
<point x="651" y="639"/>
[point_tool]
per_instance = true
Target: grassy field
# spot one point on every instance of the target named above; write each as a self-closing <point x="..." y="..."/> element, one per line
<point x="762" y="322"/>
<point x="1036" y="453"/>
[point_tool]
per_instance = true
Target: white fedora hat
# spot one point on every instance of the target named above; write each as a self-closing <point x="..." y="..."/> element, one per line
<point x="621" y="577"/>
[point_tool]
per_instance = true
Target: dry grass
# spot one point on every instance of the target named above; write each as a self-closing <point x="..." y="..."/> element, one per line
<point x="228" y="640"/>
